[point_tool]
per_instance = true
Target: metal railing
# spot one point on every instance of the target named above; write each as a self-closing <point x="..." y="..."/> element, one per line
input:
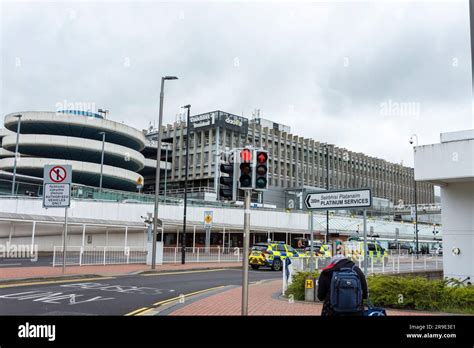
<point x="202" y="254"/>
<point x="99" y="255"/>
<point x="396" y="263"/>
<point x="119" y="255"/>
<point x="385" y="265"/>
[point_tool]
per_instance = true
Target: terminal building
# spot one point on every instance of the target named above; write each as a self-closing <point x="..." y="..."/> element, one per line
<point x="294" y="161"/>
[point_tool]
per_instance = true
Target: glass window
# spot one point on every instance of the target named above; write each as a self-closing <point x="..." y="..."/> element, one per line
<point x="281" y="247"/>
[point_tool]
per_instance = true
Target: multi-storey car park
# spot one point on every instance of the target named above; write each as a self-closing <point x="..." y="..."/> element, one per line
<point x="74" y="137"/>
<point x="294" y="161"/>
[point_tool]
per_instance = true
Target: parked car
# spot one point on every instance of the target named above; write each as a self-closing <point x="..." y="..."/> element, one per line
<point x="271" y="255"/>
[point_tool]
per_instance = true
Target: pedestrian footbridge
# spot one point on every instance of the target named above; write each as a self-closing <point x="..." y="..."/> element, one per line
<point x="110" y="223"/>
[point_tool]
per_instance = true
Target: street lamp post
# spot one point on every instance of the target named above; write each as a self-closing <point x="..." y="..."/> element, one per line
<point x="166" y="168"/>
<point x="16" y="152"/>
<point x="158" y="161"/>
<point x="326" y="146"/>
<point x="183" y="235"/>
<point x="104" y="112"/>
<point x="415" y="199"/>
<point x="102" y="161"/>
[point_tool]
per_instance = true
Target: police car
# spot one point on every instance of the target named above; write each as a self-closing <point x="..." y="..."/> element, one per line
<point x="375" y="250"/>
<point x="271" y="255"/>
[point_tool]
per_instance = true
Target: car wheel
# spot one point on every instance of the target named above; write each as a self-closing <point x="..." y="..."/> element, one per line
<point x="254" y="266"/>
<point x="276" y="265"/>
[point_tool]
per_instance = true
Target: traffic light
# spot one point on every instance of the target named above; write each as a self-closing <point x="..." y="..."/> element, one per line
<point x="245" y="178"/>
<point x="226" y="190"/>
<point x="261" y="170"/>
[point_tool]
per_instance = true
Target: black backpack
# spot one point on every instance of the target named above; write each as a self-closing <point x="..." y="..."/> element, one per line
<point x="346" y="291"/>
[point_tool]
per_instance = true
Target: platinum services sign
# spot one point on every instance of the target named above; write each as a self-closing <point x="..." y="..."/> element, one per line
<point x="332" y="200"/>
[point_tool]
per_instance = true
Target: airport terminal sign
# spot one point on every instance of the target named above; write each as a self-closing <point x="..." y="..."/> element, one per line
<point x="341" y="199"/>
<point x="219" y="119"/>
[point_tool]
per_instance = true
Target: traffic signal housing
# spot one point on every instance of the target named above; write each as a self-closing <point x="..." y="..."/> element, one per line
<point x="245" y="177"/>
<point x="261" y="170"/>
<point x="226" y="190"/>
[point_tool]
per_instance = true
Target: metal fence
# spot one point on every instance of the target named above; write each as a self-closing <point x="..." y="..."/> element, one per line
<point x="202" y="254"/>
<point x="399" y="263"/>
<point x="99" y="255"/>
<point x="116" y="255"/>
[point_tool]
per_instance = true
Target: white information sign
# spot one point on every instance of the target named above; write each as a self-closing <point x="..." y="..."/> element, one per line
<point x="331" y="200"/>
<point x="57" y="196"/>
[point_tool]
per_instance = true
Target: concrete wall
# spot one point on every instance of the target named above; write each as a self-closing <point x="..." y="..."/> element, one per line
<point x="458" y="231"/>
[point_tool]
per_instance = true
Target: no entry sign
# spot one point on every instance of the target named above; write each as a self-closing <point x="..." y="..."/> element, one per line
<point x="57" y="174"/>
<point x="57" y="186"/>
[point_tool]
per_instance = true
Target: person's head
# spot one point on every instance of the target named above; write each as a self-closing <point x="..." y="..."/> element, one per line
<point x="337" y="258"/>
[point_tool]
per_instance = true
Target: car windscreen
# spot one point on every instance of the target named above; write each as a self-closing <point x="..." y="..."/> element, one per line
<point x="260" y="247"/>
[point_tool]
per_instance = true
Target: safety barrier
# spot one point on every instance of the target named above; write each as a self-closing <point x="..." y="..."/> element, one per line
<point x="404" y="263"/>
<point x="203" y="254"/>
<point x="113" y="255"/>
<point x="99" y="255"/>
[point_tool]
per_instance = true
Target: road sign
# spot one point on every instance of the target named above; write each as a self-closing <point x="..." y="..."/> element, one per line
<point x="341" y="199"/>
<point x="208" y="218"/>
<point x="57" y="186"/>
<point x="57" y="196"/>
<point x="57" y="174"/>
<point x="139" y="182"/>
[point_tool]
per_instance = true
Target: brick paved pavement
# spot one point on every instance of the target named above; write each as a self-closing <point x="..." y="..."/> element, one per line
<point x="263" y="300"/>
<point x="40" y="272"/>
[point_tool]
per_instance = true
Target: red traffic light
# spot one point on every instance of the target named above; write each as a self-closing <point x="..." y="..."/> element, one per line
<point x="246" y="155"/>
<point x="262" y="157"/>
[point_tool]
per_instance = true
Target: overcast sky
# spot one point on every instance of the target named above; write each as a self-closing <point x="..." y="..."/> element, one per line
<point x="361" y="75"/>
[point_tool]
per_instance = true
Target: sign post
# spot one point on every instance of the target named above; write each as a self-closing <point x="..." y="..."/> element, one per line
<point x="342" y="199"/>
<point x="208" y="226"/>
<point x="57" y="194"/>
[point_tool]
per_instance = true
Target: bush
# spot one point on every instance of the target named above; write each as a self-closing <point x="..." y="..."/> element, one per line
<point x="421" y="294"/>
<point x="296" y="288"/>
<point x="416" y="293"/>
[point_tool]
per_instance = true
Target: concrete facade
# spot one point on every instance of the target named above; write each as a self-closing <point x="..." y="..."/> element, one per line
<point x="450" y="164"/>
<point x="294" y="161"/>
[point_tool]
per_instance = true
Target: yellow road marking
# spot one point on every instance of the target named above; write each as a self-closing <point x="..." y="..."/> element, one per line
<point x="136" y="311"/>
<point x="144" y="310"/>
<point x="185" y="272"/>
<point x="190" y="294"/>
<point x="78" y="280"/>
<point x="148" y="310"/>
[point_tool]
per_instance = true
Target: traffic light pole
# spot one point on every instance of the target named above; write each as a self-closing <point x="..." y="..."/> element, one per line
<point x="245" y="251"/>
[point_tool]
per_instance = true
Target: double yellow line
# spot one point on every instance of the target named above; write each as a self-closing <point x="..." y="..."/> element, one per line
<point x="143" y="310"/>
